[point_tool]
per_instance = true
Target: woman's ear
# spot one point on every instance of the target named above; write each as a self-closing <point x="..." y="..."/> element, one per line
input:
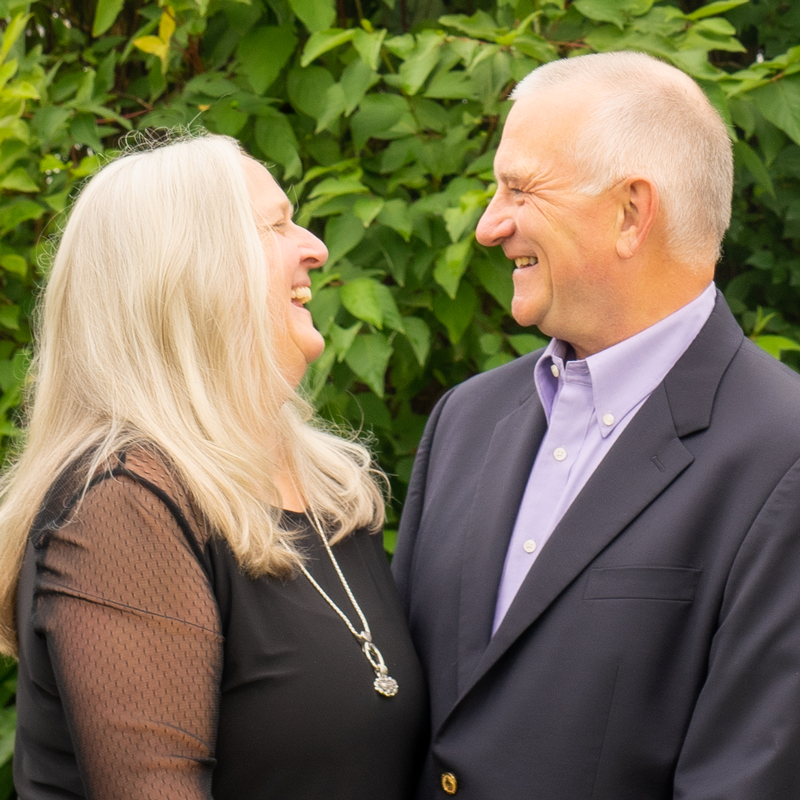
<point x="639" y="209"/>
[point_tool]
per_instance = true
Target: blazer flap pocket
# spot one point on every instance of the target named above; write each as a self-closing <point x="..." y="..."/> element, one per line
<point x="642" y="583"/>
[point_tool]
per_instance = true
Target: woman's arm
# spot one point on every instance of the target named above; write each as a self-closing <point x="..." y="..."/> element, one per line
<point x="133" y="632"/>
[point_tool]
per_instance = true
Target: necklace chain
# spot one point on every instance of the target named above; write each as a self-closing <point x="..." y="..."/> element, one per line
<point x="384" y="684"/>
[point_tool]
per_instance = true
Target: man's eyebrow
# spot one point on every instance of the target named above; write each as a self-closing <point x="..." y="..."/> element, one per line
<point x="509" y="176"/>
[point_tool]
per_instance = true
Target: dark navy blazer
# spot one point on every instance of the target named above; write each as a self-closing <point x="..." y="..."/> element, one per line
<point x="653" y="651"/>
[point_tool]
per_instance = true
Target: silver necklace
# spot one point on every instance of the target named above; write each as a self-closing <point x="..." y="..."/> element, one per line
<point x="384" y="684"/>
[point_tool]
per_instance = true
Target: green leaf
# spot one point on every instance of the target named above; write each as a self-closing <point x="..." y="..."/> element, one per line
<point x="306" y="86"/>
<point x="390" y="540"/>
<point x="333" y="187"/>
<point x="456" y="314"/>
<point x="419" y="335"/>
<point x="316" y="15"/>
<point x="15" y="264"/>
<point x="9" y="317"/>
<point x="357" y="80"/>
<point x="378" y="114"/>
<point x="360" y="298"/>
<point x="17" y="212"/>
<point x="48" y="121"/>
<point x="368" y="357"/>
<point x="779" y="102"/>
<point x="479" y="26"/>
<point x="454" y="85"/>
<point x="319" y="43"/>
<point x="105" y="15"/>
<point x="84" y="131"/>
<point x="7" y="71"/>
<point x="459" y="220"/>
<point x="210" y="84"/>
<point x="711" y="9"/>
<point x="494" y="273"/>
<point x="775" y="345"/>
<point x="18" y="180"/>
<point x="602" y="11"/>
<point x="416" y="68"/>
<point x="11" y="128"/>
<point x="317" y="373"/>
<point x="747" y="156"/>
<point x="324" y="307"/>
<point x="343" y="338"/>
<point x="367" y="208"/>
<point x="276" y="140"/>
<point x="389" y="309"/>
<point x="225" y="118"/>
<point x="397" y="216"/>
<point x="333" y="106"/>
<point x="451" y="266"/>
<point x="368" y="46"/>
<point x="524" y="343"/>
<point x="8" y="724"/>
<point x="12" y="32"/>
<point x="342" y="234"/>
<point x="263" y="53"/>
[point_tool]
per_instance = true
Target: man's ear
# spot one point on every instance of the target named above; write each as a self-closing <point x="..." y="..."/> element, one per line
<point x="639" y="208"/>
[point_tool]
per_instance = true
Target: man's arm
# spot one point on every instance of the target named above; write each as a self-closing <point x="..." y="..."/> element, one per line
<point x="743" y="741"/>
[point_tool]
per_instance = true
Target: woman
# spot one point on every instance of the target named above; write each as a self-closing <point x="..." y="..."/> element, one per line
<point x="184" y="630"/>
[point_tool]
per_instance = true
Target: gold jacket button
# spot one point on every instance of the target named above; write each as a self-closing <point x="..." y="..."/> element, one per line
<point x="449" y="783"/>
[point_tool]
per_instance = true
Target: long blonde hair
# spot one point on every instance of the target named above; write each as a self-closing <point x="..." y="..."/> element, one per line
<point x="154" y="329"/>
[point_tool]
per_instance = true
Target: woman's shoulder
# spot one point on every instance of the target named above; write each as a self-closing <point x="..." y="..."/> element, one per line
<point x="129" y="537"/>
<point x="137" y="482"/>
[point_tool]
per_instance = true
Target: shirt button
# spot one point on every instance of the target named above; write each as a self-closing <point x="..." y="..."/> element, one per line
<point x="559" y="454"/>
<point x="529" y="546"/>
<point x="608" y="419"/>
<point x="449" y="783"/>
<point x="554" y="370"/>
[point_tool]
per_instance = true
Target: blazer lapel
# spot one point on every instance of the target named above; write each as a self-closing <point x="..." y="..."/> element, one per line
<point x="644" y="461"/>
<point x="647" y="457"/>
<point x="505" y="472"/>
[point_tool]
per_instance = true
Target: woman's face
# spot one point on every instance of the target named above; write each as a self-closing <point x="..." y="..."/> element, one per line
<point x="291" y="253"/>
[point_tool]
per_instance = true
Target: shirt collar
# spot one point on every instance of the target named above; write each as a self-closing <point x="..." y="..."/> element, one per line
<point x="626" y="373"/>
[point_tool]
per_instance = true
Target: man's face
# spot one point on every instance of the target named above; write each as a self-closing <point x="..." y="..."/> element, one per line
<point x="562" y="242"/>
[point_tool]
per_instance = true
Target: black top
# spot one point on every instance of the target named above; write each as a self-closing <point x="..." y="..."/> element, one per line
<point x="151" y="666"/>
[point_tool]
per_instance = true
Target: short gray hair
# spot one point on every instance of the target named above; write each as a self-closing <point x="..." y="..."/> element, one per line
<point x="655" y="121"/>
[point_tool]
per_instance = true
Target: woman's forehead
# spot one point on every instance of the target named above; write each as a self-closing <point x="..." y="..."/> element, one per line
<point x="265" y="194"/>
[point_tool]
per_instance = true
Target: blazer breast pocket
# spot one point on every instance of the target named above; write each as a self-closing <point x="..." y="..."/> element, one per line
<point x="642" y="583"/>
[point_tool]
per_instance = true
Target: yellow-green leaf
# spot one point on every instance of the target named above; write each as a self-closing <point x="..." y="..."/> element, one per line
<point x="12" y="32"/>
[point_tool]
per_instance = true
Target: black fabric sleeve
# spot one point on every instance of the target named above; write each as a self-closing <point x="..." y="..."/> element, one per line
<point x="133" y="632"/>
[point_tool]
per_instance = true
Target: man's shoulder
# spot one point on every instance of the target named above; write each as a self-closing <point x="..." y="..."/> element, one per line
<point x="761" y="379"/>
<point x="502" y="387"/>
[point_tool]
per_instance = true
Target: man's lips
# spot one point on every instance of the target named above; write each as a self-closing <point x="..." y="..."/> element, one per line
<point x="301" y="294"/>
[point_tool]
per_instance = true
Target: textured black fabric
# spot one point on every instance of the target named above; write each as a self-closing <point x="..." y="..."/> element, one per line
<point x="151" y="666"/>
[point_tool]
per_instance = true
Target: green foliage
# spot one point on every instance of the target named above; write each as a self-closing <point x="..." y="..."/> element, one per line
<point x="381" y="118"/>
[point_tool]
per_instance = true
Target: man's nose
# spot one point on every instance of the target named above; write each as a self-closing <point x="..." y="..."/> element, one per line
<point x="495" y="225"/>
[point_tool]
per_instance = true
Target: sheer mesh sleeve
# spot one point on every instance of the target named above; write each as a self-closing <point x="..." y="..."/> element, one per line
<point x="133" y="633"/>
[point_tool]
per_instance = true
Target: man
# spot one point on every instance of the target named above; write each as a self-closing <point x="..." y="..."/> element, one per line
<point x="600" y="552"/>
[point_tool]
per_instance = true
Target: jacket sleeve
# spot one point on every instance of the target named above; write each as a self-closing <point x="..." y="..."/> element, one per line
<point x="402" y="561"/>
<point x="743" y="740"/>
<point x="132" y="630"/>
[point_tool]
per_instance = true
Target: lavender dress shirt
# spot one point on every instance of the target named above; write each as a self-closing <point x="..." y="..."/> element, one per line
<point x="588" y="404"/>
